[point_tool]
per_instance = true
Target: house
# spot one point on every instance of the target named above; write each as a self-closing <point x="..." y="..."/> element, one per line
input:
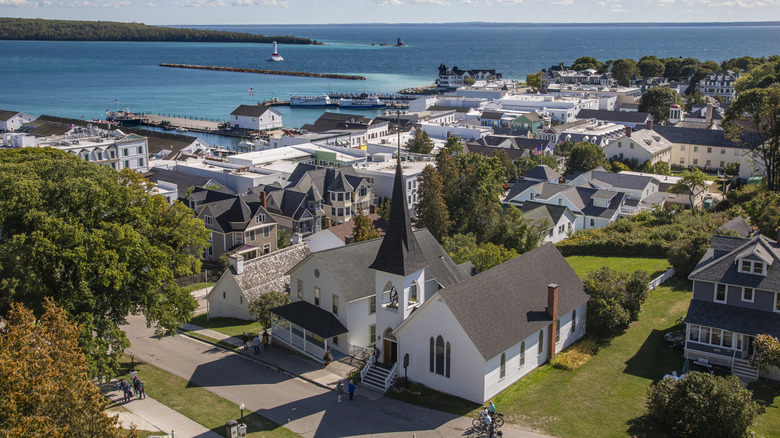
<point x="342" y="234"/>
<point x="403" y="295"/>
<point x="559" y="220"/>
<point x="631" y="119"/>
<point x="491" y="118"/>
<point x="735" y="298"/>
<point x="642" y="145"/>
<point x="531" y="121"/>
<point x="182" y="182"/>
<point x="348" y="130"/>
<point x="256" y="118"/>
<point x="592" y="207"/>
<point x="720" y="84"/>
<point x="236" y="222"/>
<point x="244" y="281"/>
<point x="291" y="209"/>
<point x="542" y="173"/>
<point x="12" y="120"/>
<point x="453" y="77"/>
<point x="643" y="190"/>
<point x="338" y="192"/>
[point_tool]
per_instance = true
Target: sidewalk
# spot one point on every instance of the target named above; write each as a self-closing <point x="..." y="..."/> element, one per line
<point x="149" y="414"/>
<point x="292" y="363"/>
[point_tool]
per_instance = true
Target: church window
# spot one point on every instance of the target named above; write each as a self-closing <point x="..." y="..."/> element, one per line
<point x="557" y="331"/>
<point x="540" y="347"/>
<point x="372" y="334"/>
<point x="413" y="293"/>
<point x="316" y="296"/>
<point x="440" y="355"/>
<point x="432" y="360"/>
<point x="503" y="366"/>
<point x="447" y="360"/>
<point x="574" y="320"/>
<point x="522" y="354"/>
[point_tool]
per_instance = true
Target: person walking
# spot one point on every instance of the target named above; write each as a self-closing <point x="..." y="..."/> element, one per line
<point x="256" y="344"/>
<point x="245" y="340"/>
<point x="136" y="381"/>
<point x="339" y="390"/>
<point x="125" y="387"/>
<point x="141" y="390"/>
<point x="265" y="340"/>
<point x="351" y="389"/>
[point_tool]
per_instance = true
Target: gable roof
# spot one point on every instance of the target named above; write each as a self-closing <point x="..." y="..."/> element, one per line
<point x="542" y="172"/>
<point x="347" y="228"/>
<point x="507" y="303"/>
<point x="183" y="181"/>
<point x="615" y="116"/>
<point x="250" y="110"/>
<point x="269" y="272"/>
<point x="719" y="262"/>
<point x="535" y="211"/>
<point x="701" y="137"/>
<point x="234" y="212"/>
<point x="619" y="180"/>
<point x="739" y="225"/>
<point x="649" y="140"/>
<point x="7" y="115"/>
<point x="488" y="151"/>
<point x="733" y="318"/>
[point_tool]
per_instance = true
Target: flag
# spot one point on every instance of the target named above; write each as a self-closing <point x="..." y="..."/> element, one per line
<point x="115" y="101"/>
<point x="250" y="90"/>
<point x="537" y="150"/>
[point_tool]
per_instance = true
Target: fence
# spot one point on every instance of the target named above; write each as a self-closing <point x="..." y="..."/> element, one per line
<point x="661" y="278"/>
<point x="201" y="277"/>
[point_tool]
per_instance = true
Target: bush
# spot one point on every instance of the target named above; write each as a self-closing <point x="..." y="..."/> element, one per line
<point x="616" y="298"/>
<point x="684" y="254"/>
<point x="702" y="405"/>
<point x="576" y="355"/>
<point x="261" y="307"/>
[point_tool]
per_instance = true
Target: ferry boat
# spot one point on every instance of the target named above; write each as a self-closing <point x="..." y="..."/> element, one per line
<point x="312" y="101"/>
<point x="368" y="102"/>
<point x="124" y="118"/>
<point x="275" y="56"/>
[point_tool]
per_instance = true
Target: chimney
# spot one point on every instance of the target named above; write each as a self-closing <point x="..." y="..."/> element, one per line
<point x="709" y="114"/>
<point x="297" y="238"/>
<point x="372" y="209"/>
<point x="236" y="263"/>
<point x="325" y="222"/>
<point x="552" y="310"/>
<point x="649" y="124"/>
<point x="349" y="239"/>
<point x="628" y="131"/>
<point x="262" y="199"/>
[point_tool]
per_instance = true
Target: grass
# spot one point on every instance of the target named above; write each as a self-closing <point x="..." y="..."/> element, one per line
<point x="194" y="287"/>
<point x="228" y="326"/>
<point x="605" y="397"/>
<point x="767" y="394"/>
<point x="582" y="265"/>
<point x="430" y="398"/>
<point x="199" y="404"/>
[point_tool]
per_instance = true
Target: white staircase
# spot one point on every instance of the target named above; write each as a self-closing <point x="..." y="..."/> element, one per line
<point x="376" y="376"/>
<point x="742" y="369"/>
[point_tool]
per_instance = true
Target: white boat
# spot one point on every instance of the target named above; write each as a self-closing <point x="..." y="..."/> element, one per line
<point x="312" y="101"/>
<point x="368" y="102"/>
<point x="275" y="56"/>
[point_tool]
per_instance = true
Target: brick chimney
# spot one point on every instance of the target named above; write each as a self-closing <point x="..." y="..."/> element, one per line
<point x="628" y="131"/>
<point x="236" y="262"/>
<point x="262" y="199"/>
<point x="552" y="310"/>
<point x="649" y="124"/>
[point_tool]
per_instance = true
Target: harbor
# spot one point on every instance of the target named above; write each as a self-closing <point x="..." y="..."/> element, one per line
<point x="267" y="72"/>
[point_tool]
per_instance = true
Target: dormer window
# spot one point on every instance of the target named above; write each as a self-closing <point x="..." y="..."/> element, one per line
<point x="260" y="218"/>
<point x="208" y="220"/>
<point x="752" y="267"/>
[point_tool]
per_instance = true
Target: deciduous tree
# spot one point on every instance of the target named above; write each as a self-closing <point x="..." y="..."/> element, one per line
<point x="588" y="62"/>
<point x="623" y="70"/>
<point x="431" y="209"/>
<point x="465" y="248"/>
<point x="585" y="156"/>
<point x="45" y="388"/>
<point x="261" y="307"/>
<point x="454" y="145"/>
<point x="534" y="80"/>
<point x="657" y="101"/>
<point x="691" y="184"/>
<point x="651" y="66"/>
<point x="766" y="352"/>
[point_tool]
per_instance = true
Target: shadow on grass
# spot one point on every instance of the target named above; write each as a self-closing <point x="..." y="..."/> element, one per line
<point x="646" y="427"/>
<point x="420" y="395"/>
<point x="765" y="393"/>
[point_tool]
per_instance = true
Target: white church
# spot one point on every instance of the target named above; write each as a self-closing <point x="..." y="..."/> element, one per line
<point x="428" y="318"/>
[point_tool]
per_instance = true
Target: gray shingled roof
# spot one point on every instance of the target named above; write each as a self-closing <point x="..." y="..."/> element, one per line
<point x="733" y="318"/>
<point x="614" y="116"/>
<point x="269" y="272"/>
<point x="183" y="181"/>
<point x="6" y="115"/>
<point x="348" y="265"/>
<point x="535" y="211"/>
<point x="720" y="267"/>
<point x="738" y="224"/>
<point x="699" y="137"/>
<point x="312" y="318"/>
<point x="620" y="180"/>
<point x="499" y="307"/>
<point x="543" y="172"/>
<point x="250" y="110"/>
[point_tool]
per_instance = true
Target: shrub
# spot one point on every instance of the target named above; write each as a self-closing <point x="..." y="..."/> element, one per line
<point x="261" y="307"/>
<point x="616" y="298"/>
<point x="576" y="355"/>
<point x="702" y="405"/>
<point x="684" y="254"/>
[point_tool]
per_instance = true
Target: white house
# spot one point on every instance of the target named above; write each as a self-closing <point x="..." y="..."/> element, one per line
<point x="642" y="145"/>
<point x="256" y="117"/>
<point x="12" y="120"/>
<point x="560" y="220"/>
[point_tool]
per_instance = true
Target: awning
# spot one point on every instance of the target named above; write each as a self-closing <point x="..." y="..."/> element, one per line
<point x="312" y="318"/>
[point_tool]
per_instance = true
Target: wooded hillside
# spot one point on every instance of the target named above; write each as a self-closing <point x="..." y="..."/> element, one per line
<point x="62" y="30"/>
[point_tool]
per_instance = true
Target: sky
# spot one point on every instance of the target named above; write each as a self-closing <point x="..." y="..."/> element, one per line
<point x="162" y="12"/>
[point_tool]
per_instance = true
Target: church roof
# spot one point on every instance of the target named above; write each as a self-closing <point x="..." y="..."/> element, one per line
<point x="399" y="252"/>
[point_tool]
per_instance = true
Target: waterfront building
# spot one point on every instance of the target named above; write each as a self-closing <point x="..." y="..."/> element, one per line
<point x="610" y="97"/>
<point x="561" y="74"/>
<point x="256" y="118"/>
<point x="453" y="77"/>
<point x="10" y="121"/>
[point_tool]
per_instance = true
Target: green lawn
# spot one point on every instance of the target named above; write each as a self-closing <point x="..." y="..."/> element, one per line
<point x="606" y="397"/>
<point x="195" y="287"/>
<point x="199" y="404"/>
<point x="228" y="326"/>
<point x="767" y="394"/>
<point x="582" y="265"/>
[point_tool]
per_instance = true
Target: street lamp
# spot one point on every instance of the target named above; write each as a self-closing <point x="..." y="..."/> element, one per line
<point x="132" y="361"/>
<point x="242" y="407"/>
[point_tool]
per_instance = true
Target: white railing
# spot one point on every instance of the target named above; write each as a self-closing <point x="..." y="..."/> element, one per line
<point x="713" y="358"/>
<point x="390" y="376"/>
<point x="364" y="371"/>
<point x="660" y="279"/>
<point x="733" y="357"/>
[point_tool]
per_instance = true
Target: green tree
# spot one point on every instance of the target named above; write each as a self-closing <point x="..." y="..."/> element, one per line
<point x="514" y="231"/>
<point x="606" y="310"/>
<point x="454" y="145"/>
<point x="766" y="352"/>
<point x="469" y="80"/>
<point x="283" y="238"/>
<point x="510" y="170"/>
<point x="431" y="209"/>
<point x="684" y="253"/>
<point x="98" y="243"/>
<point x="421" y="143"/>
<point x="692" y="183"/>
<point x="703" y="405"/>
<point x="619" y="166"/>
<point x="732" y="168"/>
<point x="710" y="65"/>
<point x="261" y="307"/>
<point x="764" y="211"/>
<point x="587" y="62"/>
<point x="688" y="66"/>
<point x="383" y="209"/>
<point x="364" y="228"/>
<point x="657" y="101"/>
<point x="757" y="111"/>
<point x="534" y="80"/>
<point x="585" y="156"/>
<point x="762" y="76"/>
<point x="464" y="248"/>
<point x="651" y="66"/>
<point x="45" y="387"/>
<point x="623" y="70"/>
<point x="672" y="68"/>
<point x="564" y="149"/>
<point x="473" y="199"/>
<point x="698" y="75"/>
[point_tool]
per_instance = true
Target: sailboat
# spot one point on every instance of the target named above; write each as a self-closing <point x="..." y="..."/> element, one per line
<point x="275" y="56"/>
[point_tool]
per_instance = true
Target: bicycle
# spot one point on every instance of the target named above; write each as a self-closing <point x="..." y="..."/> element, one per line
<point x="498" y="421"/>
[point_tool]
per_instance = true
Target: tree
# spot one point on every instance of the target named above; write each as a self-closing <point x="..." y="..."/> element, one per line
<point x="651" y="66"/>
<point x="710" y="65"/>
<point x="684" y="253"/>
<point x="761" y="76"/>
<point x="691" y="184"/>
<point x="464" y="248"/>
<point x="364" y="228"/>
<point x="454" y="145"/>
<point x="585" y="156"/>
<point x="564" y="149"/>
<point x="534" y="80"/>
<point x="657" y="101"/>
<point x="619" y="166"/>
<point x="261" y="307"/>
<point x="606" y="310"/>
<point x="672" y="67"/>
<point x="766" y="352"/>
<point x="421" y="143"/>
<point x="431" y="210"/>
<point x="757" y="112"/>
<point x="623" y="70"/>
<point x="703" y="405"/>
<point x="732" y="168"/>
<point x="587" y="62"/>
<point x="661" y="168"/>
<point x="283" y="238"/>
<point x="514" y="231"/>
<point x="45" y="387"/>
<point x="688" y="67"/>
<point x="383" y="209"/>
<point x="468" y="80"/>
<point x="95" y="241"/>
<point x="510" y="170"/>
<point x="698" y="75"/>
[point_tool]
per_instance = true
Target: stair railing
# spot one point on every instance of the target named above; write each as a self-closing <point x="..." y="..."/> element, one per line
<point x="390" y="376"/>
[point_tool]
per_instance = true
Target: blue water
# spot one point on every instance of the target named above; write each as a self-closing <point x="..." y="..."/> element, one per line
<point x="72" y="79"/>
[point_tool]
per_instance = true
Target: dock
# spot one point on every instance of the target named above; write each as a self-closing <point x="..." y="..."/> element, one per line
<point x="267" y="72"/>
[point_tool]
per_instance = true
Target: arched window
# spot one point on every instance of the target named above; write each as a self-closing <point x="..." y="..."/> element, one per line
<point x="522" y="354"/>
<point x="432" y="355"/>
<point x="541" y="341"/>
<point x="557" y="331"/>
<point x="440" y="355"/>
<point x="413" y="292"/>
<point x="503" y="366"/>
<point x="574" y="320"/>
<point x="447" y="360"/>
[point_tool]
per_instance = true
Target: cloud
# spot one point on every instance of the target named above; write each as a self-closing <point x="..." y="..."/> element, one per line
<point x="412" y="2"/>
<point x="618" y="10"/>
<point x="231" y="3"/>
<point x="563" y="2"/>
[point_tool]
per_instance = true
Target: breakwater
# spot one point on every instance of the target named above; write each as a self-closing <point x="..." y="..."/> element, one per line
<point x="268" y="72"/>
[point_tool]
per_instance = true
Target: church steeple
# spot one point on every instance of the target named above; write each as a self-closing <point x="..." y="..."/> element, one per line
<point x="399" y="252"/>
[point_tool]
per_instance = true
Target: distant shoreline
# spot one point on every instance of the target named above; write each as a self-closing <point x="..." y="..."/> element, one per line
<point x="509" y="24"/>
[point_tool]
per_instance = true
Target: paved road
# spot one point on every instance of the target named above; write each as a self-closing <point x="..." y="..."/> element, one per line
<point x="303" y="407"/>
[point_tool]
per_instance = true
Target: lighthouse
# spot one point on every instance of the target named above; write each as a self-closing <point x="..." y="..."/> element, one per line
<point x="275" y="56"/>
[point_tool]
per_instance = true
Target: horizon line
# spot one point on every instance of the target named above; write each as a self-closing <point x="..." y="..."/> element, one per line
<point x="511" y="23"/>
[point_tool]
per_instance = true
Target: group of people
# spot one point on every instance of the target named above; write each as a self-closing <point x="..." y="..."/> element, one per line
<point x="350" y="388"/>
<point x="266" y="338"/>
<point x="128" y="388"/>
<point x="488" y="415"/>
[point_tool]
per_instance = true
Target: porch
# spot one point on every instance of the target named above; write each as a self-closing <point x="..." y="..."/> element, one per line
<point x="306" y="328"/>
